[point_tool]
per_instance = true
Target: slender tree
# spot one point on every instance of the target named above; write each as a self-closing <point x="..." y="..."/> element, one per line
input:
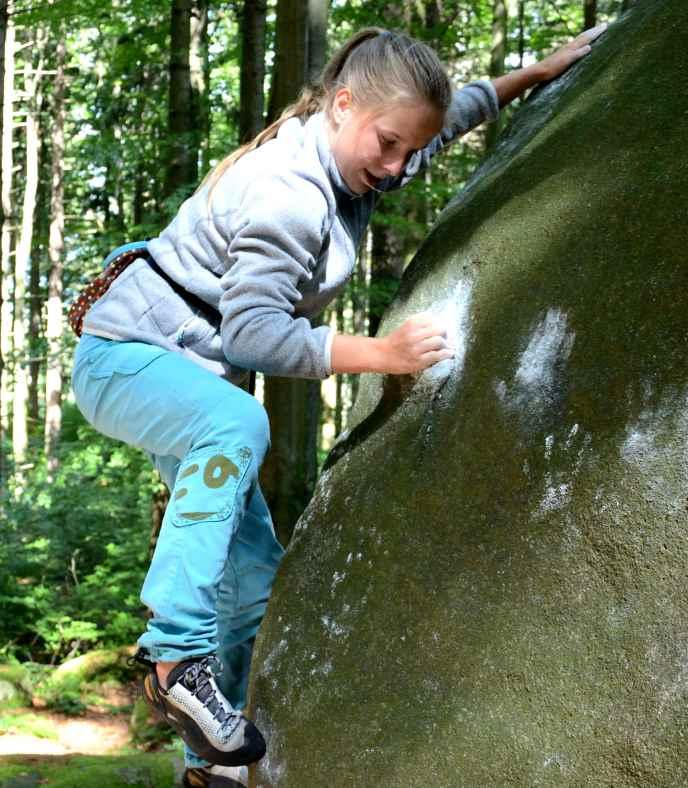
<point x="387" y="264"/>
<point x="4" y="19"/>
<point x="339" y="384"/>
<point x="589" y="13"/>
<point x="140" y="179"/>
<point x="251" y="102"/>
<point x="316" y="34"/>
<point x="34" y="354"/>
<point x="32" y="91"/>
<point x="182" y="165"/>
<point x="290" y="70"/>
<point x="198" y="76"/>
<point x="54" y="326"/>
<point x="6" y="168"/>
<point x="498" y="52"/>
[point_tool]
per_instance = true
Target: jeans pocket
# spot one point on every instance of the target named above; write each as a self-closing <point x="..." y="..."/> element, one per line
<point x="123" y="358"/>
<point x="207" y="484"/>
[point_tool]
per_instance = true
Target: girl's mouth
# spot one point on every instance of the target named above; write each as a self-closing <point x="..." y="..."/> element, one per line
<point x="370" y="180"/>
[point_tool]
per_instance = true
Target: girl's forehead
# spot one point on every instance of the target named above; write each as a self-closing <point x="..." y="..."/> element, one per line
<point x="413" y="122"/>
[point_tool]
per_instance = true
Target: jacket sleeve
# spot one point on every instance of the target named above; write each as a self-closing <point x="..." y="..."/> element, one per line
<point x="470" y="106"/>
<point x="278" y="237"/>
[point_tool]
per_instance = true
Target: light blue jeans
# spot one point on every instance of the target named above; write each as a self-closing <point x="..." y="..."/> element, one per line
<point x="216" y="556"/>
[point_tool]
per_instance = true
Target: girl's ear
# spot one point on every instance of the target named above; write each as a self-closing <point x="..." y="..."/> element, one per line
<point x="341" y="105"/>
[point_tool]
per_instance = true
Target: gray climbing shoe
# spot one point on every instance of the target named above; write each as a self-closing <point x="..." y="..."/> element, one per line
<point x="194" y="706"/>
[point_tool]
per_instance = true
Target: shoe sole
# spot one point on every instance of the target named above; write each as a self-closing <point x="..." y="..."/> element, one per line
<point x="191" y="733"/>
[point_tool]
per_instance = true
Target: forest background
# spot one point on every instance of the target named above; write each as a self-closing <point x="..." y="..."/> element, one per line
<point x="111" y="115"/>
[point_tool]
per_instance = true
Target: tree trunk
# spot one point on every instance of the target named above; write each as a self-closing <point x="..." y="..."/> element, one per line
<point x="35" y="312"/>
<point x="6" y="234"/>
<point x="53" y="373"/>
<point x="198" y="68"/>
<point x="138" y="201"/>
<point x="317" y="38"/>
<point x="339" y="390"/>
<point x="32" y="84"/>
<point x="182" y="166"/>
<point x="386" y="268"/>
<point x="291" y="55"/>
<point x="500" y="24"/>
<point x="360" y="304"/>
<point x="289" y="472"/>
<point x="589" y="13"/>
<point x="4" y="20"/>
<point x="293" y="405"/>
<point x="38" y="266"/>
<point x="252" y="102"/>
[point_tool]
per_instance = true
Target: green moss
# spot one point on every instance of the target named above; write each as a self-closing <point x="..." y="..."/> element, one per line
<point x="133" y="771"/>
<point x="27" y="723"/>
<point x="15" y="674"/>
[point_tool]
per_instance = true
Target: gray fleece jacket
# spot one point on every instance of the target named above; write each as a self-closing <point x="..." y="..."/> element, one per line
<point x="274" y="246"/>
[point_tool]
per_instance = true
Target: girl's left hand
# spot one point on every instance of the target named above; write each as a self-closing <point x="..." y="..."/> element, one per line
<point x="559" y="61"/>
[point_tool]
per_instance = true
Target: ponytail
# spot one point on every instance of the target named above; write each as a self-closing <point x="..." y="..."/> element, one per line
<point x="332" y="71"/>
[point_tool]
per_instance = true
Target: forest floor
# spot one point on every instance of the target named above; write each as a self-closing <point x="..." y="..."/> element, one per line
<point x="39" y="747"/>
<point x="37" y="732"/>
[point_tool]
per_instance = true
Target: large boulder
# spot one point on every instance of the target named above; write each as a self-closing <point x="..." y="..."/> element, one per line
<point x="489" y="587"/>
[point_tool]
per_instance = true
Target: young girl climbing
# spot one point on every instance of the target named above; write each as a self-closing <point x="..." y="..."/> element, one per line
<point x="173" y="324"/>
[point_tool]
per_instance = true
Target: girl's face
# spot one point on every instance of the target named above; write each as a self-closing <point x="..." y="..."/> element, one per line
<point x="370" y="143"/>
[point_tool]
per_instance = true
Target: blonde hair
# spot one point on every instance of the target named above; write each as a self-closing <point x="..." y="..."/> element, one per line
<point x="379" y="67"/>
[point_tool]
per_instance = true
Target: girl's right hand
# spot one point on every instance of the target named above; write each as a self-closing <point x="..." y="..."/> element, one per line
<point x="420" y="342"/>
<point x="556" y="63"/>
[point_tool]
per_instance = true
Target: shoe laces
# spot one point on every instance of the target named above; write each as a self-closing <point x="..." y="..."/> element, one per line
<point x="197" y="679"/>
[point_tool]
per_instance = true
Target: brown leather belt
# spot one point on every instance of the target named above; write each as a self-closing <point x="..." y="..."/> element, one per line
<point x="97" y="287"/>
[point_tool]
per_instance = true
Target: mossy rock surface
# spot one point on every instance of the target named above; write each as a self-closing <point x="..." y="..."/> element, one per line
<point x="489" y="586"/>
<point x="15" y="686"/>
<point x="94" y="663"/>
<point x="12" y="696"/>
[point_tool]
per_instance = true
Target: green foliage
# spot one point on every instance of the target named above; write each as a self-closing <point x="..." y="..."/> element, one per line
<point x="146" y="732"/>
<point x="76" y="685"/>
<point x="11" y="696"/>
<point x="123" y="771"/>
<point x="64" y="696"/>
<point x="74" y="550"/>
<point x="27" y="723"/>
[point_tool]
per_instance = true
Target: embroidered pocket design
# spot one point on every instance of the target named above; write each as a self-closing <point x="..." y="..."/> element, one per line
<point x="206" y="486"/>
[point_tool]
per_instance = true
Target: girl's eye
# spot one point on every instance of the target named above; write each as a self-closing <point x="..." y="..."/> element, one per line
<point x="386" y="141"/>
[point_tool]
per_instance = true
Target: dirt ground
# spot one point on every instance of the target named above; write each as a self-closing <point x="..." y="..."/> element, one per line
<point x="90" y="734"/>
